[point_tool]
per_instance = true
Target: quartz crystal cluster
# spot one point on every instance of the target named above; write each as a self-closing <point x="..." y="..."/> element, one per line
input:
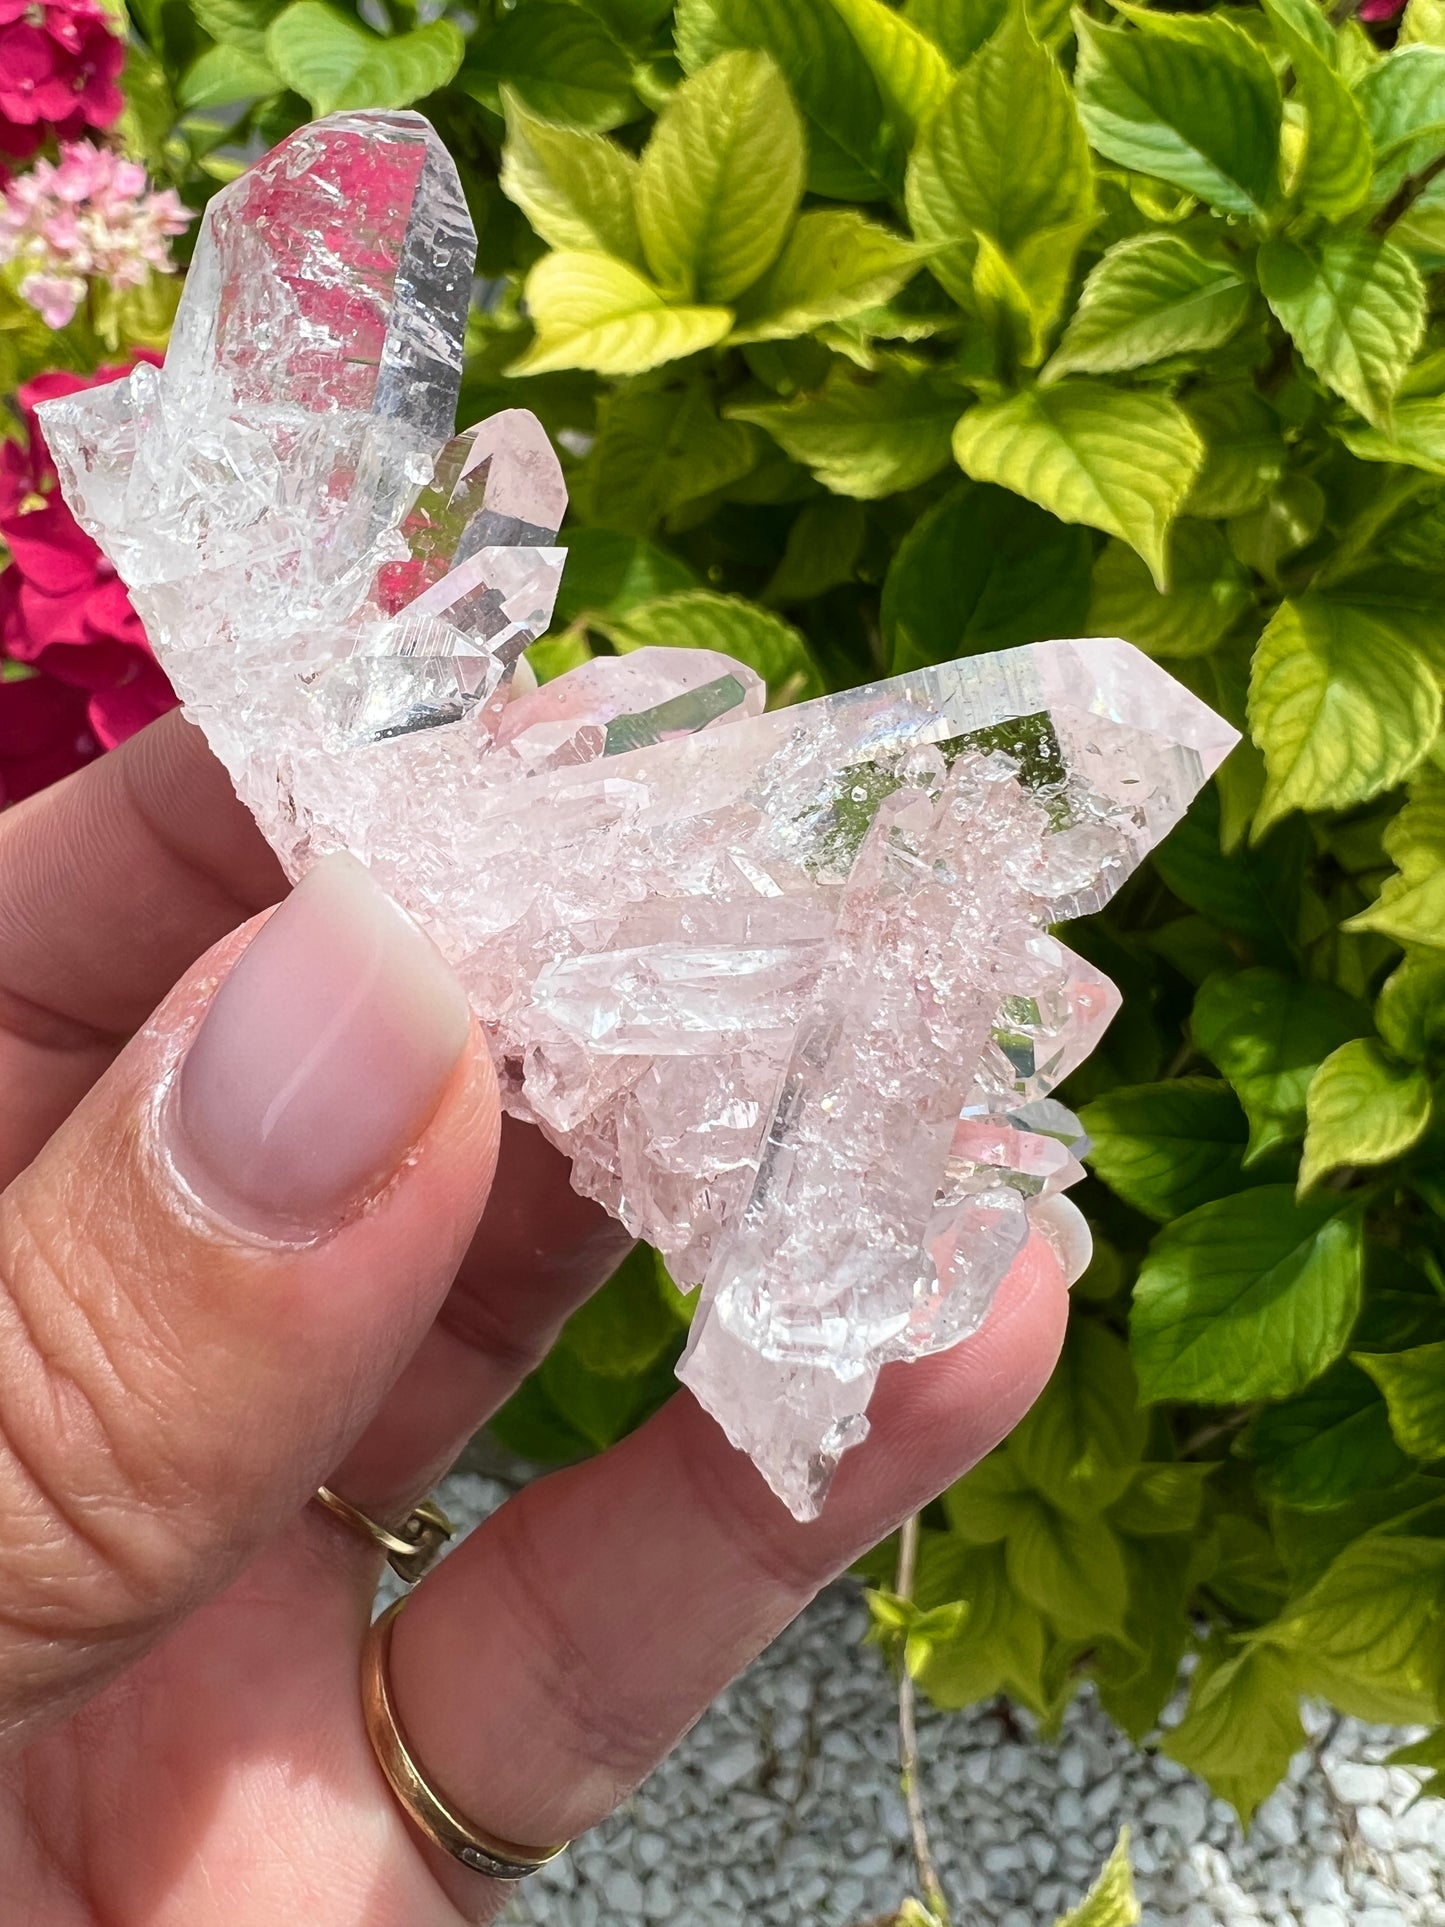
<point x="781" y="983"/>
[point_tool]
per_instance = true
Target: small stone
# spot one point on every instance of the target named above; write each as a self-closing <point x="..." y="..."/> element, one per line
<point x="1183" y="1812"/>
<point x="1358" y="1785"/>
<point x="658" y="1900"/>
<point x="733" y="1764"/>
<point x="1376" y="1829"/>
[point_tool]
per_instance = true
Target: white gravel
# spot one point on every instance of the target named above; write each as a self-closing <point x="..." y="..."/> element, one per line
<point x="782" y="1806"/>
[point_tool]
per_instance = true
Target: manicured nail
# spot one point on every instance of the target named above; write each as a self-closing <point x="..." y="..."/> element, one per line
<point x="1067" y="1230"/>
<point x="321" y="1060"/>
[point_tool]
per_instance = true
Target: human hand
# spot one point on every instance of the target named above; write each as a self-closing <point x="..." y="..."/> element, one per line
<point x="252" y="1244"/>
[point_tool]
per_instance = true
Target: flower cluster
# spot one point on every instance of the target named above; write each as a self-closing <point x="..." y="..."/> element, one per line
<point x="76" y="673"/>
<point x="90" y="217"/>
<point x="60" y="62"/>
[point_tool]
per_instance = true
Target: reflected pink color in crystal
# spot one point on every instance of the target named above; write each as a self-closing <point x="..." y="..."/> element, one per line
<point x="782" y="984"/>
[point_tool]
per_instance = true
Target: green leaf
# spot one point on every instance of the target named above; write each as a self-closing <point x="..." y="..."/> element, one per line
<point x="1111" y="1901"/>
<point x="1354" y="306"/>
<point x="593" y="312"/>
<point x="1244" y="452"/>
<point x="1334" y="176"/>
<point x="1411" y="906"/>
<point x="957" y="27"/>
<point x="656" y="450"/>
<point x="1120" y="461"/>
<point x="1249" y="1297"/>
<point x="1162" y="1500"/>
<point x="1429" y="1752"/>
<point x="1363" y="1108"/>
<point x="1188" y="100"/>
<point x="982" y="570"/>
<point x="852" y="149"/>
<point x="1004" y="160"/>
<point x="223" y="75"/>
<point x="912" y="74"/>
<point x="1342" y="704"/>
<point x="559" y="60"/>
<point x="1300" y="23"/>
<point x="1071" y="1570"/>
<point x="981" y="1506"/>
<point x="238" y="23"/>
<point x="333" y="62"/>
<point x="1403" y="99"/>
<point x="822" y="551"/>
<point x="531" y="1425"/>
<point x="701" y="619"/>
<point x="625" y="1327"/>
<point x="1166" y="1148"/>
<point x="721" y="179"/>
<point x="1208" y="590"/>
<point x="1151" y="295"/>
<point x="630" y="20"/>
<point x="1269" y="1034"/>
<point x="1317" y="1450"/>
<point x="1422" y="24"/>
<point x="862" y="434"/>
<point x="1081" y="1443"/>
<point x="1414" y="1386"/>
<point x="1416" y="438"/>
<point x="573" y="186"/>
<point x="1370" y="1633"/>
<point x="1004" y="1640"/>
<point x="834" y="264"/>
<point x="1410" y="1009"/>
<point x="1241" y="1728"/>
<point x="601" y="1406"/>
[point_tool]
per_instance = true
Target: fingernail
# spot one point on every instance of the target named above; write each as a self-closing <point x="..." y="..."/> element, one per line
<point x="1067" y="1231"/>
<point x="321" y="1060"/>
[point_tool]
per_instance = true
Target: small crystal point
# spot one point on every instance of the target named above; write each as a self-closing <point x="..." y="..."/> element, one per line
<point x="781" y="984"/>
<point x="334" y="276"/>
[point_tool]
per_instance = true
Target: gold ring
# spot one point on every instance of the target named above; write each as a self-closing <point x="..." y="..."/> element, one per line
<point x="423" y="1804"/>
<point x="412" y="1549"/>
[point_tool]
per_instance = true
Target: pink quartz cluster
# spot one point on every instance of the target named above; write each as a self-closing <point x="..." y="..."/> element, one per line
<point x="783" y="984"/>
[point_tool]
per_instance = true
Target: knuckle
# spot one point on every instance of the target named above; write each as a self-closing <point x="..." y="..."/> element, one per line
<point x="593" y="1725"/>
<point x="86" y="1502"/>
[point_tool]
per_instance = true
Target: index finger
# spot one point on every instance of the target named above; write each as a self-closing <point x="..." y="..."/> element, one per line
<point x="112" y="883"/>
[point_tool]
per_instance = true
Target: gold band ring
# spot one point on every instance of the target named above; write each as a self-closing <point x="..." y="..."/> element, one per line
<point x="423" y="1804"/>
<point x="412" y="1549"/>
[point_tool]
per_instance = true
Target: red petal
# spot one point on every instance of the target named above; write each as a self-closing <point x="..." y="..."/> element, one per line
<point x="118" y="713"/>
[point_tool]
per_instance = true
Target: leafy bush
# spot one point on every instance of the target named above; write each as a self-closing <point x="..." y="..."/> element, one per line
<point x="880" y="337"/>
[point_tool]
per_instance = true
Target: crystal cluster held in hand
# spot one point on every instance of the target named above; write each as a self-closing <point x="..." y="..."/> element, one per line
<point x="781" y="984"/>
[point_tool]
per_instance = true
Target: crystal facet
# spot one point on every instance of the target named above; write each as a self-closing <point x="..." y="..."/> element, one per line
<point x="781" y="984"/>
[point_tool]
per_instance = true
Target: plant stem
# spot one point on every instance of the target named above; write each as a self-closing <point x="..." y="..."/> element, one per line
<point x="1406" y="195"/>
<point x="930" y="1891"/>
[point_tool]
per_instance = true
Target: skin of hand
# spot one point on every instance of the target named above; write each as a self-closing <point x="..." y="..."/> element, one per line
<point x="264" y="1227"/>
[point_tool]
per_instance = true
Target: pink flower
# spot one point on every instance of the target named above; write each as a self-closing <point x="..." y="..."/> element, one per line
<point x="87" y="218"/>
<point x="60" y="61"/>
<point x="76" y="672"/>
<point x="54" y="297"/>
<point x="1376" y="10"/>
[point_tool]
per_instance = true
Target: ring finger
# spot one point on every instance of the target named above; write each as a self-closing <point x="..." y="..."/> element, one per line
<point x="546" y="1668"/>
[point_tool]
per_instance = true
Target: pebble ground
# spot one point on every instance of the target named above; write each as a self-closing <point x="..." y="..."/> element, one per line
<point x="781" y="1809"/>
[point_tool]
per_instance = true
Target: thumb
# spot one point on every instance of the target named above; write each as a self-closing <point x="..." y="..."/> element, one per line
<point x="216" y="1267"/>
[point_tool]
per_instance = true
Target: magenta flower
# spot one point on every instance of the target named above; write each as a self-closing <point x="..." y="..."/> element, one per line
<point x="60" y="62"/>
<point x="76" y="672"/>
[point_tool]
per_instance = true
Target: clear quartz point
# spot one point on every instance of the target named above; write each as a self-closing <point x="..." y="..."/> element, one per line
<point x="783" y="985"/>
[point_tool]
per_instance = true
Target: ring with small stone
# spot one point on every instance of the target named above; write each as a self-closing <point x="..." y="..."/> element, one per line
<point x="429" y="1810"/>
